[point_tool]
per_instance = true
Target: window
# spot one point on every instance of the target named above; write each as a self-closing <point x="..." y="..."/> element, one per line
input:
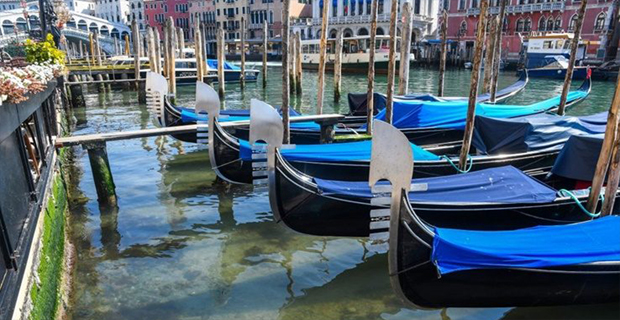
<point x="550" y="24"/>
<point x="461" y="4"/>
<point x="528" y="25"/>
<point x="600" y="22"/>
<point x="520" y="25"/>
<point x="558" y="23"/>
<point x="572" y="23"/>
<point x="474" y="3"/>
<point x="542" y="24"/>
<point x="548" y="44"/>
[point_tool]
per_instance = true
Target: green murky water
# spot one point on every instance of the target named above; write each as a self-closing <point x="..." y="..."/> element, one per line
<point x="183" y="246"/>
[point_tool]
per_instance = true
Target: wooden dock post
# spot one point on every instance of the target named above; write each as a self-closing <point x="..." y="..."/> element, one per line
<point x="181" y="42"/>
<point x="242" y="75"/>
<point x="444" y="51"/>
<point x="298" y="70"/>
<point x="203" y="48"/>
<point x="116" y="47"/>
<point x="370" y="101"/>
<point x="613" y="178"/>
<point x="127" y="52"/>
<point x="221" y="54"/>
<point x="490" y="54"/>
<point x="265" y="50"/>
<point x="322" y="58"/>
<point x="606" y="149"/>
<point x="198" y="49"/>
<point x="291" y="63"/>
<point x="102" y="174"/>
<point x="81" y="50"/>
<point x="286" y="35"/>
<point x="171" y="57"/>
<point x="405" y="49"/>
<point x="498" y="50"/>
<point x="151" y="51"/>
<point x="77" y="96"/>
<point x="157" y="50"/>
<point x="338" y="66"/>
<point x="392" y="63"/>
<point x="92" y="46"/>
<point x="473" y="88"/>
<point x="573" y="57"/>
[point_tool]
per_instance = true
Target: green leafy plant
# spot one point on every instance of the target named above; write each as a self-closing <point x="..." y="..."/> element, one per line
<point x="44" y="52"/>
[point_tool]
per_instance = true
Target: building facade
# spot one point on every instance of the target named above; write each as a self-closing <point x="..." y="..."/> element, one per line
<point x="528" y="17"/>
<point x="113" y="11"/>
<point x="271" y="11"/>
<point x="353" y="17"/>
<point x="137" y="13"/>
<point x="81" y="6"/>
<point x="157" y="11"/>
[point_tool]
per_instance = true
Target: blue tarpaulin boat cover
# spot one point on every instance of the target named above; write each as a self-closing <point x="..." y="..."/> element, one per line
<point x="578" y="157"/>
<point x="537" y="247"/>
<point x="212" y="63"/>
<point x="539" y="132"/>
<point x="452" y="115"/>
<point x="189" y="116"/>
<point x="497" y="185"/>
<point x="333" y="152"/>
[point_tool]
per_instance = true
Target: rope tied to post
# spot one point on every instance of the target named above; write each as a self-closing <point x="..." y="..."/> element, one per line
<point x="470" y="164"/>
<point x="567" y="193"/>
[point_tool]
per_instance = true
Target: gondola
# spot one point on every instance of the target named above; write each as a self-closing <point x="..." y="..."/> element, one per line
<point x="510" y="199"/>
<point x="436" y="267"/>
<point x="350" y="161"/>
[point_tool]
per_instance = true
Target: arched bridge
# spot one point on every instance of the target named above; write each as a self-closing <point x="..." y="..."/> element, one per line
<point x="13" y="25"/>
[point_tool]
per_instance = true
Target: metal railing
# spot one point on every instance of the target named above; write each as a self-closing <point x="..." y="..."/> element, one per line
<point x="523" y="8"/>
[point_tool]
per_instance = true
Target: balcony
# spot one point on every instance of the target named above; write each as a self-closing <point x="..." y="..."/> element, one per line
<point x="523" y="8"/>
<point x="381" y="18"/>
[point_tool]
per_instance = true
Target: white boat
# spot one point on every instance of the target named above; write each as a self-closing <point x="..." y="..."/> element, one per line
<point x="355" y="53"/>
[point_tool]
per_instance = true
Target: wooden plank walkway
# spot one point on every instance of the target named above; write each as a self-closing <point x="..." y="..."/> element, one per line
<point x="124" y="135"/>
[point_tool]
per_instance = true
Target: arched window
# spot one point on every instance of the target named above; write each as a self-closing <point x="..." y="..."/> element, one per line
<point x="528" y="25"/>
<point x="550" y="24"/>
<point x="558" y="23"/>
<point x="463" y="29"/>
<point x="572" y="23"/>
<point x="520" y="25"/>
<point x="542" y="24"/>
<point x="600" y="22"/>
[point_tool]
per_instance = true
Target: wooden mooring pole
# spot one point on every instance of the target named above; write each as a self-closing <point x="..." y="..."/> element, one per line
<point x="613" y="178"/>
<point x="152" y="58"/>
<point x="473" y="87"/>
<point x="490" y="53"/>
<point x="444" y="51"/>
<point x="265" y="50"/>
<point x="181" y="42"/>
<point x="286" y="35"/>
<point x="298" y="70"/>
<point x="322" y="58"/>
<point x="573" y="57"/>
<point x="391" y="63"/>
<point x="198" y="49"/>
<point x="338" y="66"/>
<point x="221" y="58"/>
<point x="157" y="50"/>
<point x="77" y="96"/>
<point x="102" y="174"/>
<point x="498" y="49"/>
<point x="137" y="46"/>
<point x="92" y="46"/>
<point x="405" y="49"/>
<point x="292" y="64"/>
<point x="242" y="75"/>
<point x="171" y="57"/>
<point x="127" y="52"/>
<point x="370" y="101"/>
<point x="602" y="163"/>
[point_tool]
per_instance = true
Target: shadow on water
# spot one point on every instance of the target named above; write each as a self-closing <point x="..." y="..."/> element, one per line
<point x="184" y="245"/>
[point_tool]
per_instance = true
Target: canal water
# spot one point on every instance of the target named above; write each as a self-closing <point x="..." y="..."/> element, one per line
<point x="182" y="245"/>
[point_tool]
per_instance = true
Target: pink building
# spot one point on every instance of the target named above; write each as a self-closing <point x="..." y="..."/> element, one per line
<point x="157" y="11"/>
<point x="526" y="17"/>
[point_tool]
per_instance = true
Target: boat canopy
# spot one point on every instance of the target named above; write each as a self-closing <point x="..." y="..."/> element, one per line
<point x="212" y="63"/>
<point x="495" y="185"/>
<point x="533" y="133"/>
<point x="333" y="152"/>
<point x="578" y="157"/>
<point x="537" y="247"/>
<point x="453" y="114"/>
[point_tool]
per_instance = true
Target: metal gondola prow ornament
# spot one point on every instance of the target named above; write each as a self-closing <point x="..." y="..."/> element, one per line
<point x="156" y="90"/>
<point x="207" y="101"/>
<point x="391" y="159"/>
<point x="265" y="127"/>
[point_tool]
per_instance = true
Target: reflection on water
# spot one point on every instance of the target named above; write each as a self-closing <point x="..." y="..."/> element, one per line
<point x="184" y="245"/>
